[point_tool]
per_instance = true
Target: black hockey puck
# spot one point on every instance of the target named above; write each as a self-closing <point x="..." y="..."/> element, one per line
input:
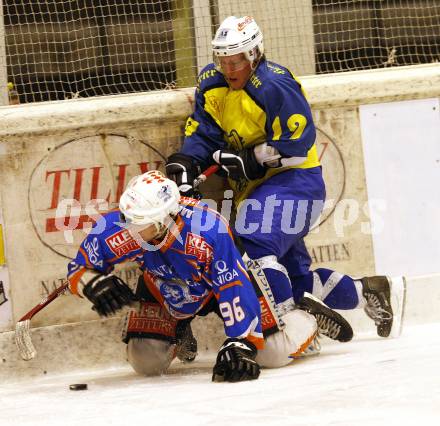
<point x="78" y="386"/>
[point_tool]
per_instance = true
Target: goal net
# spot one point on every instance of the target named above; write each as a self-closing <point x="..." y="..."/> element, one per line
<point x="55" y="49"/>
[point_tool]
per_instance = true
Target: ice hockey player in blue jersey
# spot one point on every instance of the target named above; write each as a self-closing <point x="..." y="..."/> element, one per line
<point x="252" y="118"/>
<point x="190" y="267"/>
<point x="185" y="272"/>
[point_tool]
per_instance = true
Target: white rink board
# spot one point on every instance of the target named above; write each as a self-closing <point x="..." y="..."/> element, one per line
<point x="401" y="143"/>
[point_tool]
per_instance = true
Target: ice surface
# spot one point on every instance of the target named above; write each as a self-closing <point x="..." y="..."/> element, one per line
<point x="369" y="381"/>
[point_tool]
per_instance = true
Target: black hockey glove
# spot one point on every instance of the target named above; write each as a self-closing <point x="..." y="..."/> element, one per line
<point x="236" y="362"/>
<point x="241" y="165"/>
<point x="108" y="293"/>
<point x="183" y="169"/>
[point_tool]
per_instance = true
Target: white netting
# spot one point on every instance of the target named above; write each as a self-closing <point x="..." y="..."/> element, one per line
<point x="78" y="48"/>
<point x="62" y="49"/>
<point x="365" y="34"/>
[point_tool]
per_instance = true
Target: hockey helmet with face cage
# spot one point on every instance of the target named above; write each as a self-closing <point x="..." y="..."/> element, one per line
<point x="238" y="35"/>
<point x="150" y="198"/>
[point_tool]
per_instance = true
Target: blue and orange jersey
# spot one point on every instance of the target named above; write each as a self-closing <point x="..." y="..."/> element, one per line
<point x="197" y="260"/>
<point x="271" y="108"/>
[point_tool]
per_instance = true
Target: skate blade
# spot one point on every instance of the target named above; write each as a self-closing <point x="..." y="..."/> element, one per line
<point x="398" y="298"/>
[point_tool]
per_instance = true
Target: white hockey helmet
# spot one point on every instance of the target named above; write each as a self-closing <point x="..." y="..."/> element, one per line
<point x="238" y="35"/>
<point x="150" y="198"/>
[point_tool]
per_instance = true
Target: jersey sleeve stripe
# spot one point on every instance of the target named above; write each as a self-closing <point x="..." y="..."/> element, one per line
<point x="86" y="257"/>
<point x="74" y="281"/>
<point x="231" y="284"/>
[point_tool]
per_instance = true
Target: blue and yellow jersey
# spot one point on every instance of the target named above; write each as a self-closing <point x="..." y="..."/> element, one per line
<point x="196" y="261"/>
<point x="271" y="108"/>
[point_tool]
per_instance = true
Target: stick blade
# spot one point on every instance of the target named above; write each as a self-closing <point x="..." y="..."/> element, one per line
<point x="23" y="340"/>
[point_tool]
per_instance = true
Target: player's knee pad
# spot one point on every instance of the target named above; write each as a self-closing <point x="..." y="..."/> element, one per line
<point x="281" y="347"/>
<point x="150" y="357"/>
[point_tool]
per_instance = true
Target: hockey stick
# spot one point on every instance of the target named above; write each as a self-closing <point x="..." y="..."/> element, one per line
<point x="23" y="338"/>
<point x="22" y="328"/>
<point x="204" y="175"/>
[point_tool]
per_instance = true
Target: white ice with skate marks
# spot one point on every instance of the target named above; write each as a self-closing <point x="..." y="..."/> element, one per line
<point x="369" y="381"/>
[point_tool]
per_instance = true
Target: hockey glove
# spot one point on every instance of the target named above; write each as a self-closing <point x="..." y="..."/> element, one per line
<point x="241" y="165"/>
<point x="183" y="169"/>
<point x="108" y="293"/>
<point x="236" y="362"/>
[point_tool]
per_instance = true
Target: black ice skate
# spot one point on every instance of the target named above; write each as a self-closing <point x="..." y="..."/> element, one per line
<point x="377" y="293"/>
<point x="186" y="343"/>
<point x="330" y="323"/>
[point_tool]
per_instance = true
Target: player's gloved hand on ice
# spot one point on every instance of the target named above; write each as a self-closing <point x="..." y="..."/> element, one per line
<point x="236" y="362"/>
<point x="183" y="169"/>
<point x="108" y="293"/>
<point x="240" y="165"/>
